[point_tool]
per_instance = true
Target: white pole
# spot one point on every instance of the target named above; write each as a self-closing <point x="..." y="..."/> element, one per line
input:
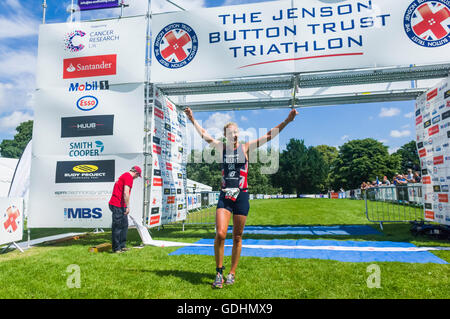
<point x="44" y="6"/>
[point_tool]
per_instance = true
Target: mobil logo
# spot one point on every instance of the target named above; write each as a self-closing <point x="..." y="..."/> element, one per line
<point x="90" y="66"/>
<point x="88" y="86"/>
<point x="87" y="103"/>
<point x="82" y="213"/>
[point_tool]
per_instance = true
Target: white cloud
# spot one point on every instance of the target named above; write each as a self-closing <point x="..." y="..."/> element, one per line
<point x="16" y="63"/>
<point x="398" y="134"/>
<point x="389" y="112"/>
<point x="244" y="118"/>
<point x="409" y="115"/>
<point x="393" y="149"/>
<point x="345" y="137"/>
<point x="10" y="122"/>
<point x="19" y="23"/>
<point x="406" y="126"/>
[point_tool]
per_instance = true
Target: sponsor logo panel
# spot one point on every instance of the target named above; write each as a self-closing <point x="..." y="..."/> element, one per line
<point x="85" y="171"/>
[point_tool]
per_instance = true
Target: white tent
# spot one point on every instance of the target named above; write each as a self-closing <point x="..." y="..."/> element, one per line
<point x="199" y="187"/>
<point x="7" y="168"/>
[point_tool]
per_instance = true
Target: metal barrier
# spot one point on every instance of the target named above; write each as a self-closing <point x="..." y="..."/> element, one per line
<point x="394" y="204"/>
<point x="201" y="208"/>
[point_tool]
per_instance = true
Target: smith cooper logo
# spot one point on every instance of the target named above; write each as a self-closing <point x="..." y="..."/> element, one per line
<point x="85" y="171"/>
<point x="427" y="23"/>
<point x="84" y="67"/>
<point x="176" y="45"/>
<point x="81" y="126"/>
<point x="82" y="213"/>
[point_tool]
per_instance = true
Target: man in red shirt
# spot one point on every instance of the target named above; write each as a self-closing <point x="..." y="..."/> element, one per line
<point x="119" y="204"/>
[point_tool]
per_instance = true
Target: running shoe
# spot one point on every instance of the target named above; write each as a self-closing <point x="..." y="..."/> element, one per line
<point x="230" y="279"/>
<point x="218" y="283"/>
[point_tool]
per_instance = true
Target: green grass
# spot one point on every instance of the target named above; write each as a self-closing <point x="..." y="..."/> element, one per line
<point x="150" y="272"/>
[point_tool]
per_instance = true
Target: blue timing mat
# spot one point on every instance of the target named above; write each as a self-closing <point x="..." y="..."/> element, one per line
<point x="362" y="253"/>
<point x="353" y="230"/>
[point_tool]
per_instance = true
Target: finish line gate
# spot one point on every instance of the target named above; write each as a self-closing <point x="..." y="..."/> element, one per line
<point x="325" y="75"/>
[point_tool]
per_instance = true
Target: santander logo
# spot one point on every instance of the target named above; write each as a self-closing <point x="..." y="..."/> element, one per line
<point x="84" y="67"/>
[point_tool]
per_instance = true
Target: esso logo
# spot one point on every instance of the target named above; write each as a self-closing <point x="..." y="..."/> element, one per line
<point x="87" y="103"/>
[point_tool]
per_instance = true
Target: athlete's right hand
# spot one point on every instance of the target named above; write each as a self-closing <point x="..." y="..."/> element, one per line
<point x="127" y="211"/>
<point x="189" y="114"/>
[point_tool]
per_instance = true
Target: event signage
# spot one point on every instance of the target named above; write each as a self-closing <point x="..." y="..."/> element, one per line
<point x="298" y="36"/>
<point x="94" y="125"/>
<point x="434" y="152"/>
<point x="88" y="55"/>
<point x="11" y="220"/>
<point x="85" y="171"/>
<point x="97" y="4"/>
<point x="89" y="120"/>
<point x="114" y="116"/>
<point x="168" y="183"/>
<point x="70" y="193"/>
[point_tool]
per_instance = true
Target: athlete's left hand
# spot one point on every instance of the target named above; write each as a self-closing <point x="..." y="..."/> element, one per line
<point x="292" y="114"/>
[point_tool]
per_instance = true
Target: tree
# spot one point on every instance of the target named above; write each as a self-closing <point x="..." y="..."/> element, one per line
<point x="329" y="154"/>
<point x="15" y="147"/>
<point x="409" y="157"/>
<point x="302" y="169"/>
<point x="361" y="161"/>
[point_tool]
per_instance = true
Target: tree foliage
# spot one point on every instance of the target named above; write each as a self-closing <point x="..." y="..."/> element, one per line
<point x="363" y="160"/>
<point x="302" y="169"/>
<point x="409" y="157"/>
<point x="15" y="147"/>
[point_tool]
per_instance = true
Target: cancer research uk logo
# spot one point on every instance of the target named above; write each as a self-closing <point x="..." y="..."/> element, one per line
<point x="176" y="45"/>
<point x="69" y="39"/>
<point x="427" y="23"/>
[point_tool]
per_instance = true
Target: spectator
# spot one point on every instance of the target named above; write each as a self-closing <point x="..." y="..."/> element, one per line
<point x="386" y="181"/>
<point x="410" y="176"/>
<point x="417" y="177"/>
<point x="399" y="180"/>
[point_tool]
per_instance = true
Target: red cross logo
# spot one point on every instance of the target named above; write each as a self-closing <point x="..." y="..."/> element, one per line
<point x="175" y="46"/>
<point x="13" y="213"/>
<point x="432" y="21"/>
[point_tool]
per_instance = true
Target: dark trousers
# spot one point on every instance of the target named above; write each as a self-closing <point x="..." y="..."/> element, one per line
<point x="119" y="227"/>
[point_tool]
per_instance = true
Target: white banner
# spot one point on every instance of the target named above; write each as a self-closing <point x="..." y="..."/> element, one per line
<point x="298" y="36"/>
<point x="11" y="220"/>
<point x="86" y="124"/>
<point x="433" y="140"/>
<point x="74" y="193"/>
<point x="84" y="51"/>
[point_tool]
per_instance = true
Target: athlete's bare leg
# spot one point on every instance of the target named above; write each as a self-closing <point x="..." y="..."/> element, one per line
<point x="238" y="229"/>
<point x="222" y="221"/>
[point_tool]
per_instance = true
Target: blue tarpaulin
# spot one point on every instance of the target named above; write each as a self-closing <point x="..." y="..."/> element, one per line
<point x="353" y="230"/>
<point x="362" y="253"/>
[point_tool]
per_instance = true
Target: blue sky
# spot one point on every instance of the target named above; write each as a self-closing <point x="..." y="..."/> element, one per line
<point x="391" y="123"/>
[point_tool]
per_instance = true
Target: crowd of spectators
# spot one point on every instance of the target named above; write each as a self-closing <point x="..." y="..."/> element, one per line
<point x="397" y="180"/>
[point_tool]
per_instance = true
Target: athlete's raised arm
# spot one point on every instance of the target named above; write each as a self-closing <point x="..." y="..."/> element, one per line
<point x="251" y="145"/>
<point x="203" y="133"/>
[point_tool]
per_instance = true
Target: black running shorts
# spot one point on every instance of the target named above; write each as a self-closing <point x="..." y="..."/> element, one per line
<point x="240" y="207"/>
